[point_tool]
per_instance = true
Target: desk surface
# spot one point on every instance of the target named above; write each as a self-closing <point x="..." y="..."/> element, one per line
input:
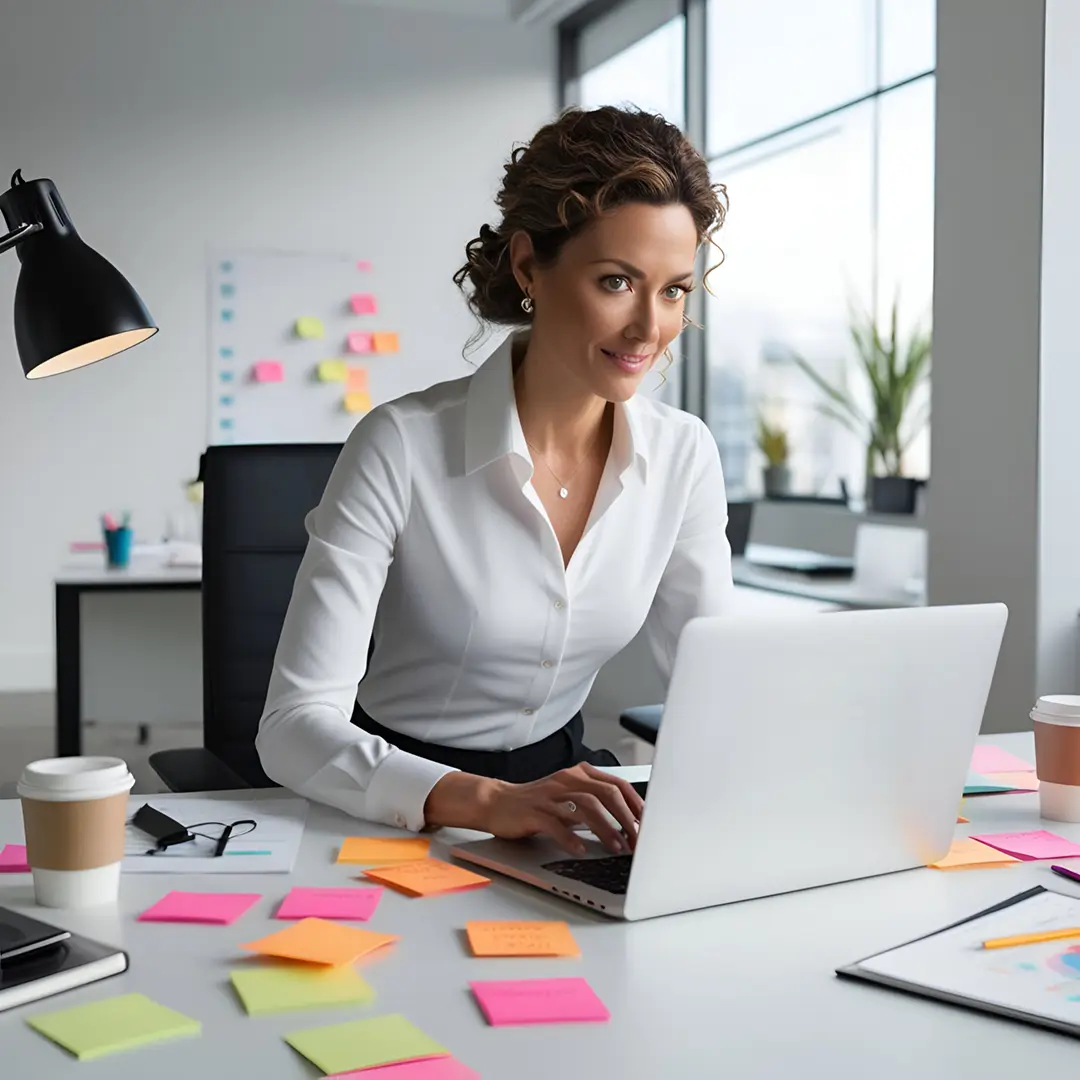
<point x="92" y="571"/>
<point x="842" y="591"/>
<point x="745" y="990"/>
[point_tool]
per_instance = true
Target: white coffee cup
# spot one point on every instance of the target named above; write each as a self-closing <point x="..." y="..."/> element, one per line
<point x="74" y="815"/>
<point x="1057" y="756"/>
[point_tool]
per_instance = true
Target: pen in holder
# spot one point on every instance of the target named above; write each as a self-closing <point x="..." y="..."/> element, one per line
<point x="117" y="541"/>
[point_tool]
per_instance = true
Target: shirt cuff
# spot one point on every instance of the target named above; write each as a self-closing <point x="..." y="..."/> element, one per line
<point x="399" y="787"/>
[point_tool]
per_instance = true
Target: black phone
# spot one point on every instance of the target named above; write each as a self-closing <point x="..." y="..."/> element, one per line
<point x="160" y="826"/>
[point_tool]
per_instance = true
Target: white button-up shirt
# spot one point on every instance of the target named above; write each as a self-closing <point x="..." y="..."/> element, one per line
<point x="429" y="532"/>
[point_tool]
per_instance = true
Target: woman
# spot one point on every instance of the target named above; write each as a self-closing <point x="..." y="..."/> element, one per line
<point x="499" y="537"/>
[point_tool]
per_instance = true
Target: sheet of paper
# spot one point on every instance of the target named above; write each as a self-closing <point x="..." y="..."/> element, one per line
<point x="319" y="941"/>
<point x="1016" y="781"/>
<point x="383" y="850"/>
<point x="331" y="371"/>
<point x="992" y="759"/>
<point x="357" y="401"/>
<point x="356" y="379"/>
<point x="385" y="341"/>
<point x="364" y="304"/>
<point x="360" y="341"/>
<point x="13" y="859"/>
<point x="538" y="1001"/>
<point x="521" y="939"/>
<point x="273" y="987"/>
<point x="440" y="1068"/>
<point x="353" y="902"/>
<point x="363" y="1044"/>
<point x="267" y="371"/>
<point x="195" y="907"/>
<point x="1036" y="844"/>
<point x="271" y="847"/>
<point x="977" y="784"/>
<point x="967" y="854"/>
<point x="309" y="328"/>
<point x="427" y="877"/>
<point x="117" y="1023"/>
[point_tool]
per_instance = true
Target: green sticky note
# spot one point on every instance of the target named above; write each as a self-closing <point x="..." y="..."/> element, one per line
<point x="983" y="785"/>
<point x="117" y="1023"/>
<point x="271" y="988"/>
<point x="307" y="326"/>
<point x="363" y="1044"/>
<point x="331" y="371"/>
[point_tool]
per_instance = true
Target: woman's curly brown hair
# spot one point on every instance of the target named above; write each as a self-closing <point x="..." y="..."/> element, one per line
<point x="580" y="166"/>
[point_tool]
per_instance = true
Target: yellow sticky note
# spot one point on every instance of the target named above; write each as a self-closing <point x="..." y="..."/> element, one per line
<point x="382" y="850"/>
<point x="970" y="854"/>
<point x="1018" y="781"/>
<point x="319" y="941"/>
<point x="384" y="341"/>
<point x="307" y="326"/>
<point x="356" y="379"/>
<point x="281" y="987"/>
<point x="357" y="402"/>
<point x="521" y="939"/>
<point x="331" y="371"/>
<point x="427" y="877"/>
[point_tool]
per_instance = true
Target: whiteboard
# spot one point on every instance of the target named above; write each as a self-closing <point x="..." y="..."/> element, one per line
<point x="255" y="300"/>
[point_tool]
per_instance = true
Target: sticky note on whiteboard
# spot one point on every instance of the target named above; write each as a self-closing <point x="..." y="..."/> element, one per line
<point x="307" y="326"/>
<point x="361" y="341"/>
<point x="267" y="371"/>
<point x="385" y="341"/>
<point x="330" y="371"/>
<point x="358" y="401"/>
<point x="363" y="304"/>
<point x="363" y="264"/>
<point x="356" y="379"/>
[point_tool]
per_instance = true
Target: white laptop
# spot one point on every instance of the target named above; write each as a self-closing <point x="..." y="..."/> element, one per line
<point x="795" y="751"/>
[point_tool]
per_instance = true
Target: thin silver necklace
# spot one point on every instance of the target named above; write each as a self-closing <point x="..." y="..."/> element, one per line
<point x="564" y="489"/>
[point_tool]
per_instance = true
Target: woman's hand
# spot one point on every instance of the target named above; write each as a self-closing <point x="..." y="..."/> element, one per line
<point x="554" y="805"/>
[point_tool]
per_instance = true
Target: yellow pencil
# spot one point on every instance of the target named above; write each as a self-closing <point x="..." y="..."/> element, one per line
<point x="1031" y="939"/>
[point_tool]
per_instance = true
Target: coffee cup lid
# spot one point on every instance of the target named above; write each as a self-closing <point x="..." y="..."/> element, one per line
<point x="70" y="779"/>
<point x="1064" y="708"/>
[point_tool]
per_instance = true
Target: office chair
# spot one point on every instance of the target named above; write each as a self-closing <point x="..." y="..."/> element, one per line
<point x="255" y="501"/>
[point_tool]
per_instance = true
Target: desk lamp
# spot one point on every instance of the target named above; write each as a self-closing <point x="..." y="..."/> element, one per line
<point x="72" y="307"/>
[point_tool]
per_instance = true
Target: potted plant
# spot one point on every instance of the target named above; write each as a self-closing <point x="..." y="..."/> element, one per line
<point x="894" y="371"/>
<point x="772" y="441"/>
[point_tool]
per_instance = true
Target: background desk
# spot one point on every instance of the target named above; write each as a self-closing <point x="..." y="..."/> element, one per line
<point x="843" y="592"/>
<point x="744" y="991"/>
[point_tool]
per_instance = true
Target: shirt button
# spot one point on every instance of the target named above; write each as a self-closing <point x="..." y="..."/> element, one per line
<point x="558" y="605"/>
<point x="399" y="821"/>
<point x="527" y="712"/>
<point x="546" y="663"/>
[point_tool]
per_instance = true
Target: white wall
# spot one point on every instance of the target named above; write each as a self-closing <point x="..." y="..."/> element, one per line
<point x="174" y="128"/>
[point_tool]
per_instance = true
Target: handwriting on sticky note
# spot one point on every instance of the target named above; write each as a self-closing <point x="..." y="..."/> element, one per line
<point x="13" y="859"/>
<point x="363" y="304"/>
<point x="353" y="902"/>
<point x="360" y="341"/>
<point x="385" y="341"/>
<point x="992" y="759"/>
<point x="356" y="379"/>
<point x="195" y="907"/>
<point x="538" y="1001"/>
<point x="380" y="850"/>
<point x="279" y="986"/>
<point x="363" y="1044"/>
<point x="359" y="401"/>
<point x="521" y="939"/>
<point x="267" y="371"/>
<point x="331" y="371"/>
<point x="1036" y="844"/>
<point x="970" y="854"/>
<point x="318" y="941"/>
<point x="427" y="877"/>
<point x="309" y="327"/>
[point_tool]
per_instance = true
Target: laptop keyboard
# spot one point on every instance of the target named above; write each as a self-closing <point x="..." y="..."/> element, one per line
<point x="610" y="874"/>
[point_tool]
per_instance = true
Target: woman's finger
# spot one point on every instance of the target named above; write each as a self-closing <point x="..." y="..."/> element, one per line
<point x="629" y="793"/>
<point x="611" y="798"/>
<point x="564" y="836"/>
<point x="584" y="808"/>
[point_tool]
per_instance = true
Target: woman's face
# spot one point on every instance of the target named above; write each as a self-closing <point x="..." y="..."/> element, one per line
<point x="613" y="300"/>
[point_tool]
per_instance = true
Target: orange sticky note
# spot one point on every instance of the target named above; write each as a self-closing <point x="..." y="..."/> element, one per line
<point x="970" y="854"/>
<point x="356" y="379"/>
<point x="357" y="401"/>
<point x="427" y="877"/>
<point x="961" y="820"/>
<point x="383" y="850"/>
<point x="319" y="941"/>
<point x="521" y="939"/>
<point x="384" y="341"/>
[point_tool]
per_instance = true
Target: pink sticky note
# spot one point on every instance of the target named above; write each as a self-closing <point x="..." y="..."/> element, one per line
<point x="538" y="1001"/>
<point x="363" y="264"/>
<point x="268" y="371"/>
<point x="440" y="1068"/>
<point x="360" y="341"/>
<point x="992" y="759"/>
<point x="194" y="907"/>
<point x="348" y="903"/>
<point x="363" y="304"/>
<point x="13" y="859"/>
<point x="1038" y="844"/>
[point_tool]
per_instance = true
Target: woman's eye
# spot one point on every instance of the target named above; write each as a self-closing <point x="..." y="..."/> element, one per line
<point x="615" y="283"/>
<point x="675" y="292"/>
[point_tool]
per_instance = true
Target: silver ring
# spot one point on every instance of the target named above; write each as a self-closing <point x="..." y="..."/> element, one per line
<point x="571" y="807"/>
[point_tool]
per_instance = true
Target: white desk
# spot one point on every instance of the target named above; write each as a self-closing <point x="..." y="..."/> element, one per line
<point x="844" y="592"/>
<point x="745" y="991"/>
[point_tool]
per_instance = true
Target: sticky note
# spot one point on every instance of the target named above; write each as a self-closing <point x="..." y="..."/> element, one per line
<point x="225" y="423"/>
<point x="13" y="859"/>
<point x="360" y="341"/>
<point x="194" y="907"/>
<point x="363" y="304"/>
<point x="427" y="877"/>
<point x="267" y="371"/>
<point x="1036" y="844"/>
<point x="308" y="327"/>
<point x="961" y="820"/>
<point x="330" y="371"/>
<point x="977" y="784"/>
<point x="226" y="315"/>
<point x="521" y="939"/>
<point x="363" y="1044"/>
<point x="538" y="1001"/>
<point x="384" y="341"/>
<point x="380" y="850"/>
<point x="226" y="376"/>
<point x="1016" y="781"/>
<point x="225" y="353"/>
<point x="992" y="759"/>
<point x="353" y="902"/>
<point x="357" y="402"/>
<point x="319" y="941"/>
<point x="117" y="1023"/>
<point x="970" y="854"/>
<point x="226" y="267"/>
<point x="440" y="1068"/>
<point x="228" y="290"/>
<point x="283" y="987"/>
<point x="363" y="264"/>
<point x="356" y="378"/>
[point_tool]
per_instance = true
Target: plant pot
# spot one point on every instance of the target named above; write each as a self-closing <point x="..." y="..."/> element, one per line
<point x="893" y="494"/>
<point x="777" y="479"/>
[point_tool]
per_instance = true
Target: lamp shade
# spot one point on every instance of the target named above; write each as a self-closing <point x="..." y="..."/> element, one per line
<point x="72" y="307"/>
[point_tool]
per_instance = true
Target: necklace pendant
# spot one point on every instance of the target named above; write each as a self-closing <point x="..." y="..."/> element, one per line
<point x="563" y="493"/>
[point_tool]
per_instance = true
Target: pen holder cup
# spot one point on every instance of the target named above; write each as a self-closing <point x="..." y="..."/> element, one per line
<point x="118" y="547"/>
